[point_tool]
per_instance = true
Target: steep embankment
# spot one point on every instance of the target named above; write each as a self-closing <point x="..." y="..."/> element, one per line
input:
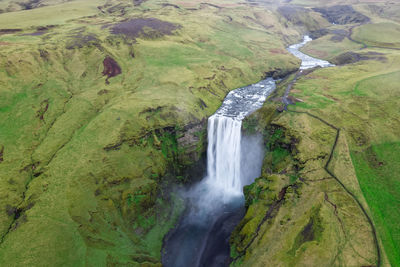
<point x="101" y="107"/>
<point x="299" y="211"/>
<point x="330" y="180"/>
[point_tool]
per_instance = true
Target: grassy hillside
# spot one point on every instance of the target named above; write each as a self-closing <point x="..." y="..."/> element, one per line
<point x="362" y="99"/>
<point x="102" y="107"/>
<point x="358" y="98"/>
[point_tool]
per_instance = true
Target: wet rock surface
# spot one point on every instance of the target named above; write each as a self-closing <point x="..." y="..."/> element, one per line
<point x="245" y="100"/>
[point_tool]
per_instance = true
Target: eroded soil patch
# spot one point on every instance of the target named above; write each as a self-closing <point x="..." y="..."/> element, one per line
<point x="9" y="31"/>
<point x="144" y="27"/>
<point x="81" y="39"/>
<point x="111" y="68"/>
<point x="352" y="57"/>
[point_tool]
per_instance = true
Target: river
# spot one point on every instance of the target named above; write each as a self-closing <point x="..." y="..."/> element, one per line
<point x="215" y="205"/>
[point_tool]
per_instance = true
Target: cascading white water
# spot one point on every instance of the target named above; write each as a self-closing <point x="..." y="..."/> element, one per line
<point x="224" y="175"/>
<point x="223" y="154"/>
<point x="307" y="62"/>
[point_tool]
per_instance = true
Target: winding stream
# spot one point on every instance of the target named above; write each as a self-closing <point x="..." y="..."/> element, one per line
<point x="307" y="62"/>
<point x="216" y="204"/>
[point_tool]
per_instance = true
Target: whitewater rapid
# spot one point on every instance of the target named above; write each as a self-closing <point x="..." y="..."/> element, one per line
<point x="307" y="62"/>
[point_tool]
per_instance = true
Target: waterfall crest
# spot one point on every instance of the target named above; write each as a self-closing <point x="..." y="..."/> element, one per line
<point x="224" y="153"/>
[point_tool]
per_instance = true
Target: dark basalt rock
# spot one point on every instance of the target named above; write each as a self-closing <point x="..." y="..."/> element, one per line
<point x="342" y="15"/>
<point x="293" y="14"/>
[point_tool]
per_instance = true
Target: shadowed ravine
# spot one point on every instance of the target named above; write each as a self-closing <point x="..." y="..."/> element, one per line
<point x="215" y="205"/>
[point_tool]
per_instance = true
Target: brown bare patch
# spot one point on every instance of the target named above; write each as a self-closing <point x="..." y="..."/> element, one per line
<point x="317" y="53"/>
<point x="331" y="97"/>
<point x="81" y="39"/>
<point x="38" y="33"/>
<point x="102" y="92"/>
<point x="352" y="57"/>
<point x="144" y="27"/>
<point x="277" y="99"/>
<point x="294" y="99"/>
<point x="111" y="68"/>
<point x="1" y="153"/>
<point x="44" y="106"/>
<point x="5" y="43"/>
<point x="277" y="51"/>
<point x="9" y="31"/>
<point x="10" y="210"/>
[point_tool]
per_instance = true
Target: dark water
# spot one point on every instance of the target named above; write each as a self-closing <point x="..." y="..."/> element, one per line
<point x="202" y="236"/>
<point x="216" y="205"/>
<point x="203" y="243"/>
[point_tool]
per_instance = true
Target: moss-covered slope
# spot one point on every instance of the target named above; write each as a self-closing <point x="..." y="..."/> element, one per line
<point x="299" y="213"/>
<point x="103" y="102"/>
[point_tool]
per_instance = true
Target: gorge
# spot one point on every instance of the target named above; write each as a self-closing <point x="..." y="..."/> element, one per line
<point x="234" y="159"/>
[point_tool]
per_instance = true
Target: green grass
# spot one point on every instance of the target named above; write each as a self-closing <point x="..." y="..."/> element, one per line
<point x="363" y="103"/>
<point x="312" y="231"/>
<point x="90" y="171"/>
<point x="377" y="170"/>
<point x="325" y="48"/>
<point x="50" y="15"/>
<point x="378" y="34"/>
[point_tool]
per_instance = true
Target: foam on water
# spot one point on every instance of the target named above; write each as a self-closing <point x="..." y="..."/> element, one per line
<point x="307" y="62"/>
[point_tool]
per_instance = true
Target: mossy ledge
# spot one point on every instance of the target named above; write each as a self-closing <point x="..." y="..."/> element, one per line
<point x="297" y="213"/>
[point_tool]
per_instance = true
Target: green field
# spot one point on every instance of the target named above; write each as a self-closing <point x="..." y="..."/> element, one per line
<point x="361" y="99"/>
<point x="379" y="34"/>
<point x="376" y="170"/>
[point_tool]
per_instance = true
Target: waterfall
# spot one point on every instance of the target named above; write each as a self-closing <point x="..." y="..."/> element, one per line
<point x="226" y="170"/>
<point x="216" y="204"/>
<point x="223" y="154"/>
